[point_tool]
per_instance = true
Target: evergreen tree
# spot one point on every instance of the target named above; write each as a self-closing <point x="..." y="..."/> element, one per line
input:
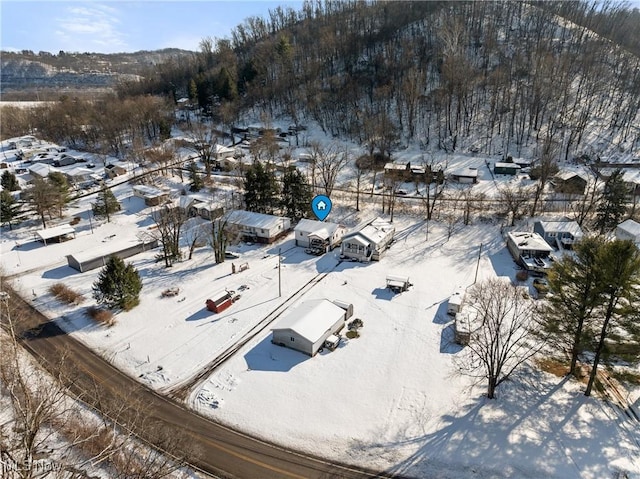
<point x="9" y="181"/>
<point x="196" y="182"/>
<point x="8" y="207"/>
<point x="296" y="194"/>
<point x="612" y="206"/>
<point x="619" y="278"/>
<point x="575" y="293"/>
<point x="106" y="204"/>
<point x="42" y="197"/>
<point x="118" y="285"/>
<point x="261" y="189"/>
<point x="61" y="186"/>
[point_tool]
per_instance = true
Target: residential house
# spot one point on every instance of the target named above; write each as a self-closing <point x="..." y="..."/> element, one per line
<point x="113" y="171"/>
<point x="570" y="182"/>
<point x="506" y="168"/>
<point x="318" y="235"/>
<point x="367" y="242"/>
<point x="559" y="234"/>
<point x="42" y="170"/>
<point x="258" y="227"/>
<point x="99" y="255"/>
<point x="80" y="177"/>
<point x="529" y="250"/>
<point x="310" y="325"/>
<point x="629" y="230"/>
<point x="151" y="195"/>
<point x="465" y="175"/>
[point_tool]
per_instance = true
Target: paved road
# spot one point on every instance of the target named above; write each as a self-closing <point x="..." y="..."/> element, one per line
<point x="205" y="444"/>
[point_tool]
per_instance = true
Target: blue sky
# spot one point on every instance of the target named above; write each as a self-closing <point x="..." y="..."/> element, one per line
<point x="122" y="26"/>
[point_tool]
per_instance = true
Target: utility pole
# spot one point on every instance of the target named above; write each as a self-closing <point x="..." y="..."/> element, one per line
<point x="279" y="275"/>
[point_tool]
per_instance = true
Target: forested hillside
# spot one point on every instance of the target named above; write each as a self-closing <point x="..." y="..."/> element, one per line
<point x="491" y="76"/>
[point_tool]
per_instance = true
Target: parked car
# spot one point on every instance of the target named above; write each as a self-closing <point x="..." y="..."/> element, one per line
<point x="231" y="255"/>
<point x="91" y="165"/>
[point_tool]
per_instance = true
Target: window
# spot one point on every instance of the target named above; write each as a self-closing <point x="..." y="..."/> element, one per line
<point x="292" y="338"/>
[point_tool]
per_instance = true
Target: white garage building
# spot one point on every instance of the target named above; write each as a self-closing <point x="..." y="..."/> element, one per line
<point x="307" y="327"/>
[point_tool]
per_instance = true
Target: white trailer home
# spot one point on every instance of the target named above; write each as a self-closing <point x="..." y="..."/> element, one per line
<point x="258" y="227"/>
<point x="455" y="301"/>
<point x="308" y="326"/>
<point x="368" y="242"/>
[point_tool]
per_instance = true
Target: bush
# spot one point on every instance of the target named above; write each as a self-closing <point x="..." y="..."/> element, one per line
<point x="75" y="221"/>
<point x="65" y="294"/>
<point x="522" y="276"/>
<point x="103" y="316"/>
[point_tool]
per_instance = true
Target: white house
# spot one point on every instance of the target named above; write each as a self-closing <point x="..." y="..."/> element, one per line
<point x="560" y="234"/>
<point x="465" y="175"/>
<point x="318" y="234"/>
<point x="220" y="152"/>
<point x="308" y="326"/>
<point x="530" y="250"/>
<point x="258" y="227"/>
<point x="368" y="242"/>
<point x="42" y="170"/>
<point x="80" y="176"/>
<point x="151" y="195"/>
<point x="629" y="230"/>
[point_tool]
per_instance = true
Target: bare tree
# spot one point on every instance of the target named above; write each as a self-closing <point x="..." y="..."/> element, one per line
<point x="169" y="221"/>
<point x="514" y="199"/>
<point x="221" y="235"/>
<point x="502" y="339"/>
<point x="434" y="181"/>
<point x="328" y="161"/>
<point x="203" y="143"/>
<point x="585" y="206"/>
<point x="195" y="234"/>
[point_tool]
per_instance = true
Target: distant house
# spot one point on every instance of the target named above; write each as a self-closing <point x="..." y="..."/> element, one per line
<point x="151" y="195"/>
<point x="506" y="169"/>
<point x="113" y="171"/>
<point x="397" y="171"/>
<point x="465" y="175"/>
<point x="308" y="326"/>
<point x="98" y="256"/>
<point x="523" y="162"/>
<point x="258" y="227"/>
<point x="193" y="207"/>
<point x="318" y="235"/>
<point x="220" y="152"/>
<point x="80" y="176"/>
<point x="42" y="170"/>
<point x="559" y="234"/>
<point x="530" y="250"/>
<point x="368" y="242"/>
<point x="629" y="230"/>
<point x="56" y="234"/>
<point x="570" y="182"/>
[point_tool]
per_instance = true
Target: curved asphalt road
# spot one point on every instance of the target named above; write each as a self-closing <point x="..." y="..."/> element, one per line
<point x="205" y="444"/>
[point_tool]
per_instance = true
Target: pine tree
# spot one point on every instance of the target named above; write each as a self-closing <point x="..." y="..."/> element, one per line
<point x="612" y="206"/>
<point x="118" y="285"/>
<point x="296" y="194"/>
<point x="106" y="204"/>
<point x="9" y="181"/>
<point x="196" y="183"/>
<point x="42" y="197"/>
<point x="261" y="189"/>
<point x="8" y="207"/>
<point x="61" y="186"/>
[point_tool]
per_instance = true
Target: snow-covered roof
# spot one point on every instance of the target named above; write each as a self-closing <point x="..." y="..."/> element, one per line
<point x="529" y="241"/>
<point x="395" y="166"/>
<point x="571" y="227"/>
<point x="78" y="171"/>
<point x="506" y="165"/>
<point x="148" y="191"/>
<point x="42" y="169"/>
<point x="54" y="232"/>
<point x="373" y="232"/>
<point x="255" y="220"/>
<point x="631" y="227"/>
<point x="222" y="150"/>
<point x="106" y="248"/>
<point x="312" y="318"/>
<point x="466" y="172"/>
<point x="567" y="175"/>
<point x="318" y="228"/>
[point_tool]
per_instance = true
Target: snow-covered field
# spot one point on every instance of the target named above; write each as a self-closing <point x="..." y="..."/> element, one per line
<point x="391" y="399"/>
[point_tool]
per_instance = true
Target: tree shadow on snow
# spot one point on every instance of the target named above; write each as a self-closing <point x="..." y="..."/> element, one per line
<point x="266" y="356"/>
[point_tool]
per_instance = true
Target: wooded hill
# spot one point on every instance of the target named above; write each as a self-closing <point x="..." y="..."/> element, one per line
<point x="496" y="77"/>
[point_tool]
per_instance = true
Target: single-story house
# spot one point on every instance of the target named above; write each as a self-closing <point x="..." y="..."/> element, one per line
<point x="397" y="171"/>
<point x="523" y="162"/>
<point x="318" y="234"/>
<point x="80" y="176"/>
<point x="258" y="227"/>
<point x="220" y="152"/>
<point x="97" y="257"/>
<point x="368" y="242"/>
<point x="114" y="170"/>
<point x="465" y="175"/>
<point x="570" y="182"/>
<point x="560" y="234"/>
<point x="56" y="234"/>
<point x="308" y="326"/>
<point x="506" y="168"/>
<point x="530" y="250"/>
<point x="42" y="170"/>
<point x="192" y="207"/>
<point x="151" y="195"/>
<point x="629" y="230"/>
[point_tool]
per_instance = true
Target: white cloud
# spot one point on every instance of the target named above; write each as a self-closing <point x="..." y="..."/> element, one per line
<point x="91" y="27"/>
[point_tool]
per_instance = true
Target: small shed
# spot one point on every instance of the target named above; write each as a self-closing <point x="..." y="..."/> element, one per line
<point x="463" y="326"/>
<point x="113" y="171"/>
<point x="56" y="234"/>
<point x="465" y="175"/>
<point x="398" y="284"/>
<point x="308" y="326"/>
<point x="506" y="168"/>
<point x="629" y="230"/>
<point x="455" y="301"/>
<point x="221" y="301"/>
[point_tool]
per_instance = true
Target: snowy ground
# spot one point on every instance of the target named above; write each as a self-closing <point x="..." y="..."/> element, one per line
<point x="390" y="399"/>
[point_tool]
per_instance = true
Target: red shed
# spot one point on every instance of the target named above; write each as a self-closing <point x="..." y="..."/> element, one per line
<point x="221" y="301"/>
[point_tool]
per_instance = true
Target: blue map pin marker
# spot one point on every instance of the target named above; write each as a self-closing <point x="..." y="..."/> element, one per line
<point x="321" y="206"/>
